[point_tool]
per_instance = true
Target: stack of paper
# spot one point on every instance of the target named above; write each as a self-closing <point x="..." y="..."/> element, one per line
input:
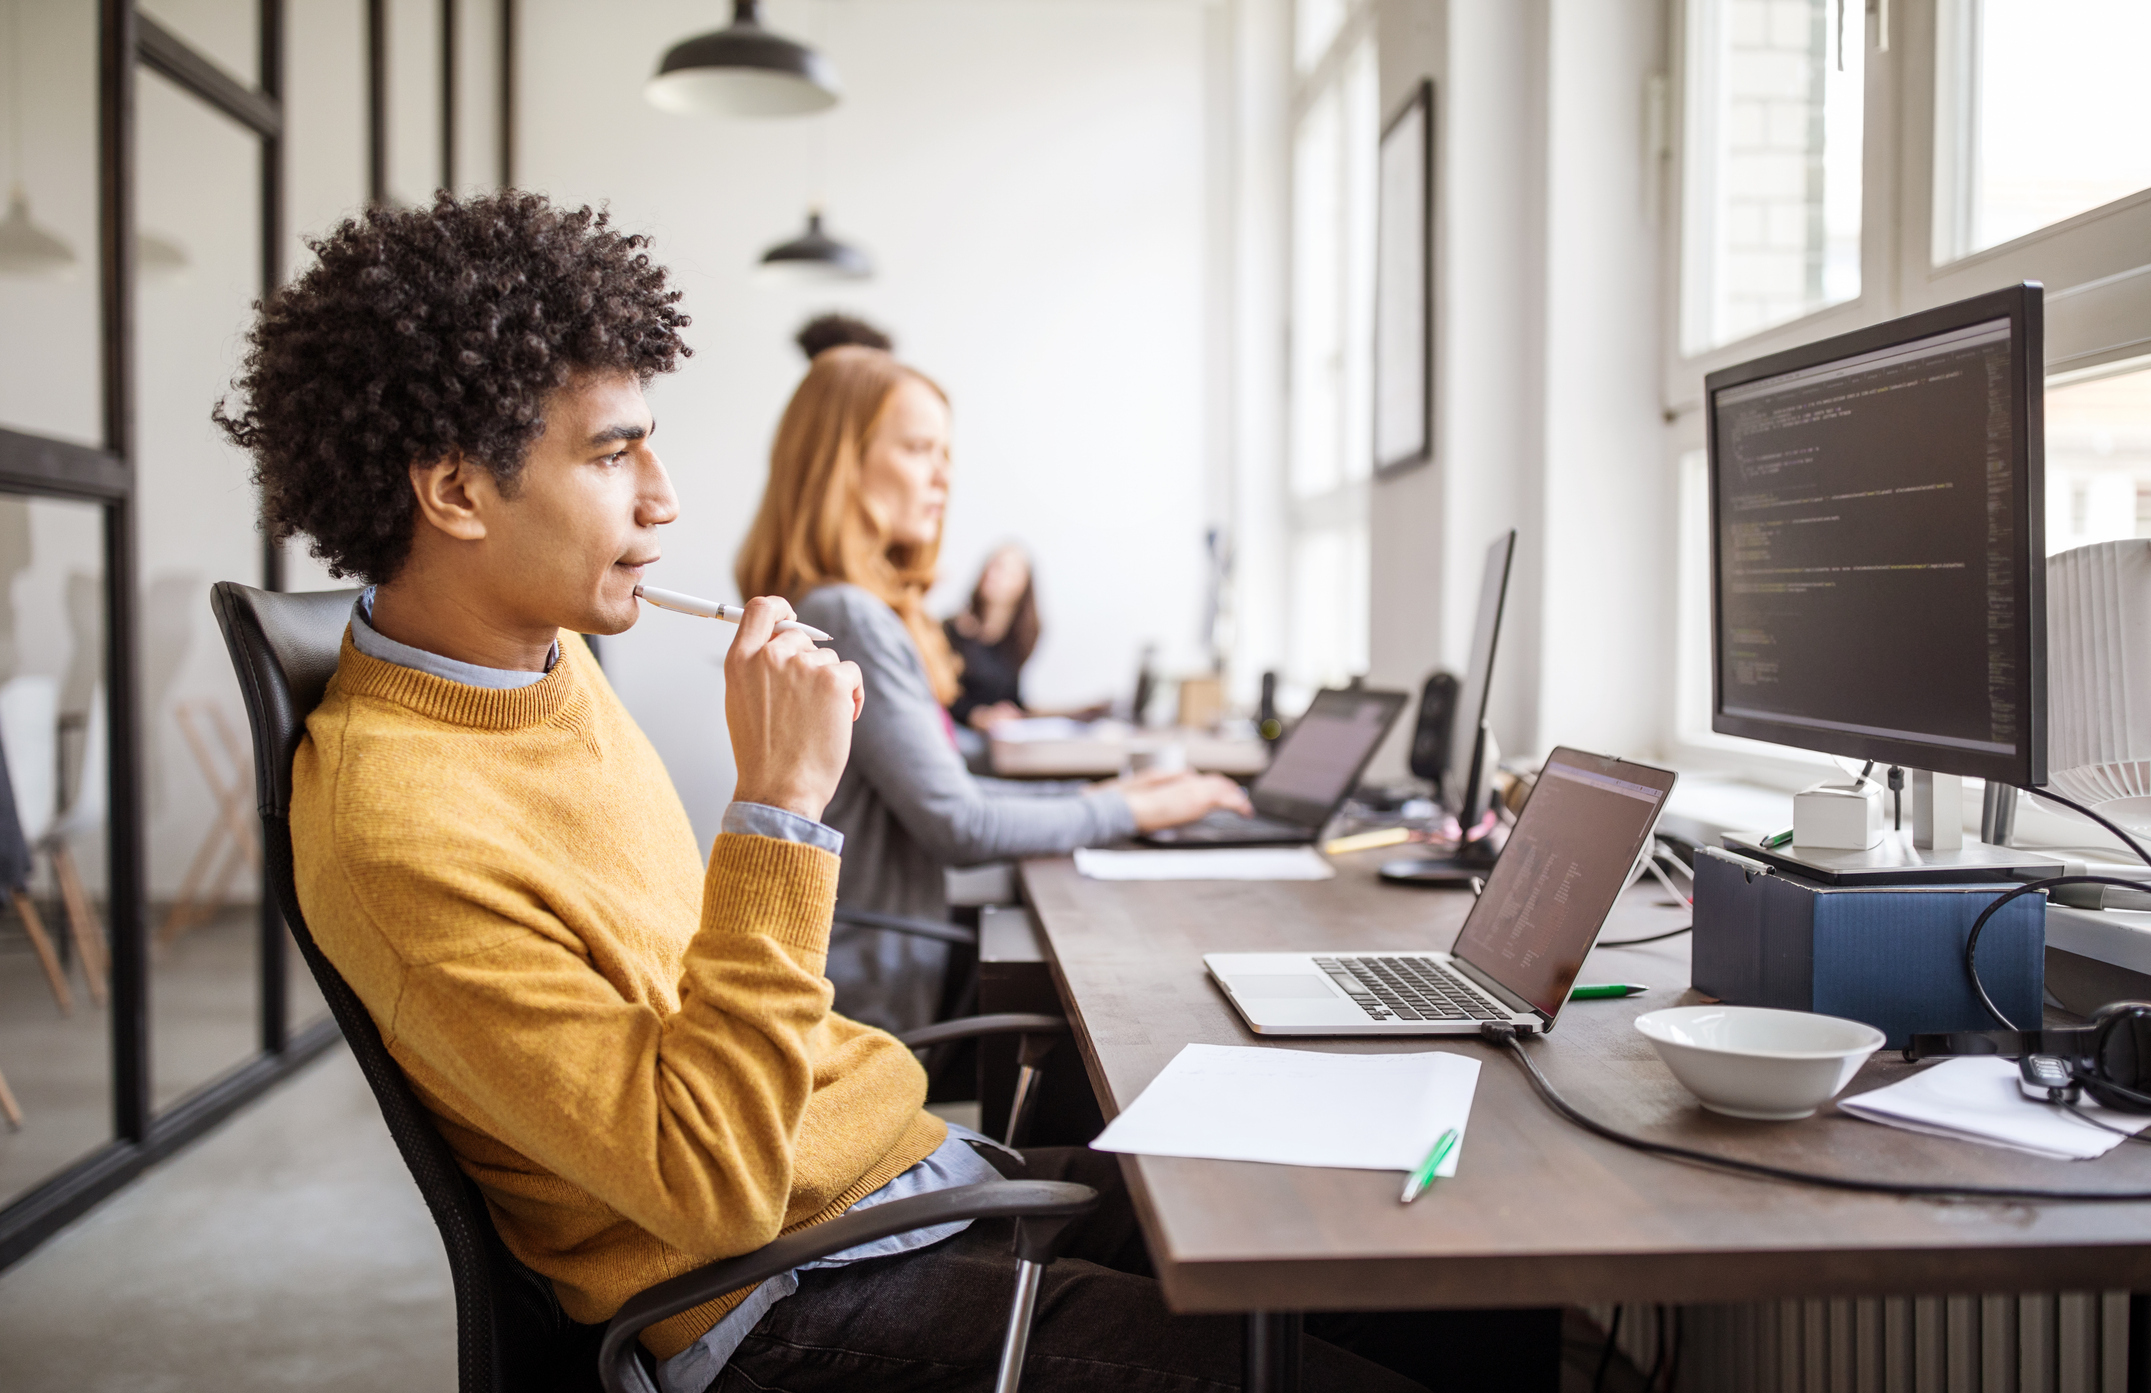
<point x="1979" y="1100"/>
<point x="1300" y="1108"/>
<point x="1223" y="863"/>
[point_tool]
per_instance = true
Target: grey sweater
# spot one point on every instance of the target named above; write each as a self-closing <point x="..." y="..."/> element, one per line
<point x="909" y="809"/>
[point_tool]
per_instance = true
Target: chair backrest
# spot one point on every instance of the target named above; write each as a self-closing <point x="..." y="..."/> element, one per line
<point x="511" y="1336"/>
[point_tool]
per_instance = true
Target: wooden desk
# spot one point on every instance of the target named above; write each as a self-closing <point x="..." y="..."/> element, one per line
<point x="1540" y="1212"/>
<point x="1103" y="755"/>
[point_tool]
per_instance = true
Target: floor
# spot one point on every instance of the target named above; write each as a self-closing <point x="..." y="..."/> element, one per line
<point x="286" y="1250"/>
<point x="204" y="1012"/>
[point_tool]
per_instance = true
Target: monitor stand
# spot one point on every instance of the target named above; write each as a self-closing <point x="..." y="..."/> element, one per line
<point x="1474" y="860"/>
<point x="1896" y="861"/>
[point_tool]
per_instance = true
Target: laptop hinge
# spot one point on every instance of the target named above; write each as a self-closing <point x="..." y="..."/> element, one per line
<point x="1501" y="994"/>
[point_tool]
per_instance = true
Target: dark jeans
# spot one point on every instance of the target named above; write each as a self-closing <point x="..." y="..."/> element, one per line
<point x="934" y="1319"/>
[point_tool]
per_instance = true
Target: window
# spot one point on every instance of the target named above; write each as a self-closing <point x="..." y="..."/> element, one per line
<point x="1330" y="405"/>
<point x="1772" y="215"/>
<point x="2098" y="459"/>
<point x="1964" y="145"/>
<point x="2038" y="115"/>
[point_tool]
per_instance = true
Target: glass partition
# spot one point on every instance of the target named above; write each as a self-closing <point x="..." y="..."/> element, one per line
<point x="55" y="1013"/>
<point x="227" y="32"/>
<point x="49" y="379"/>
<point x="200" y="186"/>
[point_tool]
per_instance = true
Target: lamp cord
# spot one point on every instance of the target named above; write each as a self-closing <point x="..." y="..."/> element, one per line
<point x="1502" y="1035"/>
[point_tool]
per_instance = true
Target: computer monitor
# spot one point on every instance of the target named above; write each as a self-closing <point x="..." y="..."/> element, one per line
<point x="1878" y="551"/>
<point x="1464" y="783"/>
<point x="1468" y="773"/>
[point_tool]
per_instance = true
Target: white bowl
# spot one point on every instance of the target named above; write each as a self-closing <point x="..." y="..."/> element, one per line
<point x="1748" y="1061"/>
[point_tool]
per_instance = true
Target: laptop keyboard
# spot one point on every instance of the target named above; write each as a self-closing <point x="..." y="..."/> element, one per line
<point x="1411" y="989"/>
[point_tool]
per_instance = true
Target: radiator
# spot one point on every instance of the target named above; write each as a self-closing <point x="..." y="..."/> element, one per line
<point x="2076" y="1342"/>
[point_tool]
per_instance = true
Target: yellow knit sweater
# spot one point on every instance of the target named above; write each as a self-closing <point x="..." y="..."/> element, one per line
<point x="633" y="1057"/>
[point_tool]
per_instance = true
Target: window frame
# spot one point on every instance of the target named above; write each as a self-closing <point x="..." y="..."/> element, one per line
<point x="1345" y="504"/>
<point x="2096" y="267"/>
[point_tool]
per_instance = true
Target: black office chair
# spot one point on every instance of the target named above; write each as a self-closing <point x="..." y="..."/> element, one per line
<point x="511" y="1335"/>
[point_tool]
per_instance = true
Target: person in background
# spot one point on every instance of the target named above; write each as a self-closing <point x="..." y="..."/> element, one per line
<point x="994" y="636"/>
<point x="826" y="331"/>
<point x="849" y="530"/>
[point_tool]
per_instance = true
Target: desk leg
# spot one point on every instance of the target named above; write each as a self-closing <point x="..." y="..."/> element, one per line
<point x="2139" y="1375"/>
<point x="1273" y="1352"/>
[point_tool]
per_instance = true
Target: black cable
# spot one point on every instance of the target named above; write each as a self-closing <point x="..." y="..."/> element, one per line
<point x="1605" y="1356"/>
<point x="1658" y="1347"/>
<point x="1897" y="791"/>
<point x="1503" y="1035"/>
<point x="1971" y="942"/>
<point x="1654" y="938"/>
<point x="2076" y="1110"/>
<point x="2126" y="840"/>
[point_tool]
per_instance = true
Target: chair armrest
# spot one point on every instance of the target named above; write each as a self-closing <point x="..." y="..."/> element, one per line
<point x="897" y="923"/>
<point x="1052" y="1201"/>
<point x="970" y="1027"/>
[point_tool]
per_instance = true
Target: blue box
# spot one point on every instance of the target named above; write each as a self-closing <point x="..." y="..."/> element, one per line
<point x="1892" y="956"/>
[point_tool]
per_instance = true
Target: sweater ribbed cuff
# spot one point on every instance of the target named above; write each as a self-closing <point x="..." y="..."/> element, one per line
<point x="781" y="890"/>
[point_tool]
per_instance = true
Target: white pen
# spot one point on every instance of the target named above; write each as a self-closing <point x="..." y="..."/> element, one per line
<point x="710" y="609"/>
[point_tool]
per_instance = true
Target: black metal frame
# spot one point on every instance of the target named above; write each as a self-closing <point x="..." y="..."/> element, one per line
<point x="1422" y="101"/>
<point x="41" y="467"/>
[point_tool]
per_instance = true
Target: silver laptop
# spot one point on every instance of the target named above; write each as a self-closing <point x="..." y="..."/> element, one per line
<point x="1567" y="860"/>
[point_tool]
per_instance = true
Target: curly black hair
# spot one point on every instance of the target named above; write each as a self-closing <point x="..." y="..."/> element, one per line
<point x="826" y="331"/>
<point x="419" y="333"/>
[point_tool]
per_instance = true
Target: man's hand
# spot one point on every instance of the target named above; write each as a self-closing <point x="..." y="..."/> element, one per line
<point x="789" y="706"/>
<point x="1167" y="800"/>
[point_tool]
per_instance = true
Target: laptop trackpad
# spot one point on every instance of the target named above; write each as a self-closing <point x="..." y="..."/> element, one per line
<point x="1271" y="986"/>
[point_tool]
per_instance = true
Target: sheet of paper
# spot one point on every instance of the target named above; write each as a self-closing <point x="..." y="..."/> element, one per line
<point x="1047" y="728"/>
<point x="1300" y="1108"/>
<point x="1978" y="1100"/>
<point x="1218" y="863"/>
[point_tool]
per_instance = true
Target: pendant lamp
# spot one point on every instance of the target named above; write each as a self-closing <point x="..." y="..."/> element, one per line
<point x="744" y="70"/>
<point x="27" y="249"/>
<point x="815" y="256"/>
<point x="159" y="258"/>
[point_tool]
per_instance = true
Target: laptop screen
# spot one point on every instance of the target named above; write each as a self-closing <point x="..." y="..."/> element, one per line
<point x="1317" y="763"/>
<point x="1567" y="859"/>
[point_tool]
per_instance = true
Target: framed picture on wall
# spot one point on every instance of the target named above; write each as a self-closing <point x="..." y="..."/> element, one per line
<point x="1404" y="289"/>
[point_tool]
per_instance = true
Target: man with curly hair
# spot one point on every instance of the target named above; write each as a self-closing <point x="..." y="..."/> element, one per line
<point x="630" y="1050"/>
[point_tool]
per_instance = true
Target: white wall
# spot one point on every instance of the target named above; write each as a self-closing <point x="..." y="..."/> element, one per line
<point x="1030" y="177"/>
<point x="1547" y="333"/>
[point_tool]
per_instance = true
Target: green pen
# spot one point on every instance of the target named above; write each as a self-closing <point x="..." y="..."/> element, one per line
<point x="1778" y="839"/>
<point x="1592" y="991"/>
<point x="1424" y="1176"/>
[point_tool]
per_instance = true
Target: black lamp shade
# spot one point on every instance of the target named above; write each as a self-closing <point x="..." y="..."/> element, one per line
<point x="815" y="255"/>
<point x="744" y="70"/>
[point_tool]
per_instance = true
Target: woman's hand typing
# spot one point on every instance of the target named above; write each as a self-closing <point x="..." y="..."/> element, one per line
<point x="1167" y="800"/>
<point x="789" y="706"/>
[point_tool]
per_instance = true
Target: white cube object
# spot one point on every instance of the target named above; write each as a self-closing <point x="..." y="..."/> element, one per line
<point x="1837" y="817"/>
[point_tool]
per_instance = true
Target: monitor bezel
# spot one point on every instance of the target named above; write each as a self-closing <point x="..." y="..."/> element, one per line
<point x="1468" y="803"/>
<point x="2023" y="306"/>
